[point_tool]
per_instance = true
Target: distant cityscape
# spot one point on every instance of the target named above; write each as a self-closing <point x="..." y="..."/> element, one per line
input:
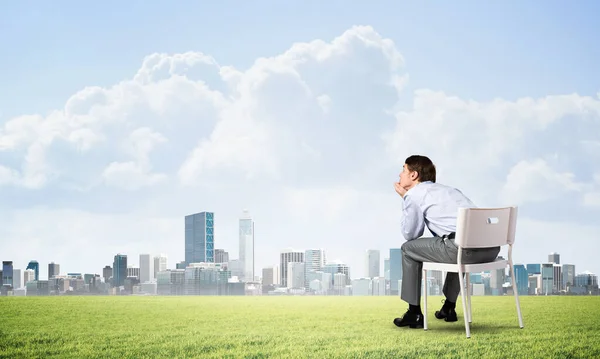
<point x="210" y="271"/>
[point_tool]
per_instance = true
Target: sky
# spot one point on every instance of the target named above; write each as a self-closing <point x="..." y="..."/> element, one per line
<point x="117" y="119"/>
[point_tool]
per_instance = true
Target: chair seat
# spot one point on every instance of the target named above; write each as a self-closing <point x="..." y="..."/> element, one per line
<point x="471" y="268"/>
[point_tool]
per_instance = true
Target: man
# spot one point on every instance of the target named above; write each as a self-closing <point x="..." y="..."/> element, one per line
<point x="427" y="203"/>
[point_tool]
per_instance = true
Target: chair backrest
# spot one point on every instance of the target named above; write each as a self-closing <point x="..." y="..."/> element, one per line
<point x="486" y="227"/>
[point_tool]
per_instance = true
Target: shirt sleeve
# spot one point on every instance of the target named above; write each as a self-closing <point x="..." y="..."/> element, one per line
<point x="413" y="223"/>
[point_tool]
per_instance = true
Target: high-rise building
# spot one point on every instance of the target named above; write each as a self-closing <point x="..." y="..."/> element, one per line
<point x="314" y="260"/>
<point x="547" y="278"/>
<point x="373" y="263"/>
<point x="199" y="238"/>
<point x="160" y="264"/>
<point x="568" y="275"/>
<point x="17" y="279"/>
<point x="133" y="271"/>
<point x="554" y="258"/>
<point x="7" y="273"/>
<point x="534" y="268"/>
<point x="522" y="279"/>
<point x="395" y="269"/>
<point x="107" y="273"/>
<point x="146" y="268"/>
<point x="295" y="275"/>
<point x="288" y="256"/>
<point x="53" y="270"/>
<point x="386" y="268"/>
<point x="119" y="270"/>
<point x="268" y="275"/>
<point x="35" y="266"/>
<point x="338" y="267"/>
<point x="557" y="283"/>
<point x="247" y="246"/>
<point x="221" y="256"/>
<point x="28" y="276"/>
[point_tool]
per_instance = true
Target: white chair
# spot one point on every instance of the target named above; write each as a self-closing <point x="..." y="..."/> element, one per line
<point x="478" y="228"/>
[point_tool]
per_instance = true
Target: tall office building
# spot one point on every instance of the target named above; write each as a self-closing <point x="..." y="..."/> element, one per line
<point x="17" y="279"/>
<point x="28" y="276"/>
<point x="221" y="256"/>
<point x="288" y="256"/>
<point x="336" y="267"/>
<point x="295" y="275"/>
<point x="568" y="275"/>
<point x="522" y="279"/>
<point x="199" y="238"/>
<point x="547" y="278"/>
<point x="247" y="246"/>
<point x="386" y="268"/>
<point x="160" y="264"/>
<point x="373" y="263"/>
<point x="35" y="266"/>
<point x="554" y="258"/>
<point x="146" y="268"/>
<point x="119" y="270"/>
<point x="314" y="260"/>
<point x="107" y="273"/>
<point x="558" y="279"/>
<point x="53" y="270"/>
<point x="395" y="270"/>
<point x="7" y="273"/>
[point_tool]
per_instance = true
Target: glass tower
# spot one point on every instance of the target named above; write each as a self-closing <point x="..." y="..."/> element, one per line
<point x="35" y="266"/>
<point x="119" y="270"/>
<point x="199" y="238"/>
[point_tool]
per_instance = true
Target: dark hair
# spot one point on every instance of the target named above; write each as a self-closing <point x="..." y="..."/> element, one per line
<point x="423" y="166"/>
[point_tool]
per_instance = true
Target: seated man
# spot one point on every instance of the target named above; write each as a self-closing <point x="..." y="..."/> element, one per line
<point x="427" y="203"/>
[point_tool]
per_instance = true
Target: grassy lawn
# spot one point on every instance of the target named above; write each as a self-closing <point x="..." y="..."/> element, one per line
<point x="291" y="327"/>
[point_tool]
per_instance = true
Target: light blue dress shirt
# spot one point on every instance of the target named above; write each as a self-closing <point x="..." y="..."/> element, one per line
<point x="433" y="205"/>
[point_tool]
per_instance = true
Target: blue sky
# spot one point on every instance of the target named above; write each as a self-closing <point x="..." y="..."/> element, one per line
<point x="468" y="62"/>
<point x="476" y="50"/>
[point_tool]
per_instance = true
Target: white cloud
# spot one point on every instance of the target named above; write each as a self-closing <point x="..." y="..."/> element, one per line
<point x="310" y="140"/>
<point x="536" y="181"/>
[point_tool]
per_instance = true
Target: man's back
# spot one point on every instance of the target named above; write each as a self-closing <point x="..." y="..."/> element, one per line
<point x="438" y="205"/>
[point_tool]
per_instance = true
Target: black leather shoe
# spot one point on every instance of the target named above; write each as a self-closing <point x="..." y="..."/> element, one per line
<point x="411" y="320"/>
<point x="448" y="314"/>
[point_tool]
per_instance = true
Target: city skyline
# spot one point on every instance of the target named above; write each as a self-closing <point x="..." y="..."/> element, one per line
<point x="109" y="137"/>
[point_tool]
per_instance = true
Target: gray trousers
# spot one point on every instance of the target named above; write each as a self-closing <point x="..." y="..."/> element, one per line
<point x="438" y="250"/>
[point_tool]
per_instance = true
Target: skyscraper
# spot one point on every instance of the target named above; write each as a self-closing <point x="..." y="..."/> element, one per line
<point x="119" y="270"/>
<point x="7" y="273"/>
<point x="554" y="258"/>
<point x="146" y="268"/>
<point x="160" y="264"/>
<point x="17" y="279"/>
<point x="373" y="263"/>
<point x="199" y="238"/>
<point x="53" y="270"/>
<point x="288" y="256"/>
<point x="35" y="266"/>
<point x="395" y="269"/>
<point x="247" y="246"/>
<point x="221" y="256"/>
<point x="314" y="260"/>
<point x="107" y="273"/>
<point x="522" y="279"/>
<point x="568" y="275"/>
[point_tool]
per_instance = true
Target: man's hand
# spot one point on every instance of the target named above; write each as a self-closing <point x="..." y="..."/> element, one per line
<point x="399" y="189"/>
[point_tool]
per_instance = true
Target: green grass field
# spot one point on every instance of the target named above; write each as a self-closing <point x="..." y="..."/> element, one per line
<point x="291" y="327"/>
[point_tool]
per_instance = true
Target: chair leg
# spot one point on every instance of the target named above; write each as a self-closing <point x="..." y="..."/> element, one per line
<point x="468" y="275"/>
<point x="516" y="293"/>
<point x="425" y="299"/>
<point x="464" y="303"/>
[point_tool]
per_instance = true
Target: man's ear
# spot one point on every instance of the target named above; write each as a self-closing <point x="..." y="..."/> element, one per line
<point x="414" y="175"/>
